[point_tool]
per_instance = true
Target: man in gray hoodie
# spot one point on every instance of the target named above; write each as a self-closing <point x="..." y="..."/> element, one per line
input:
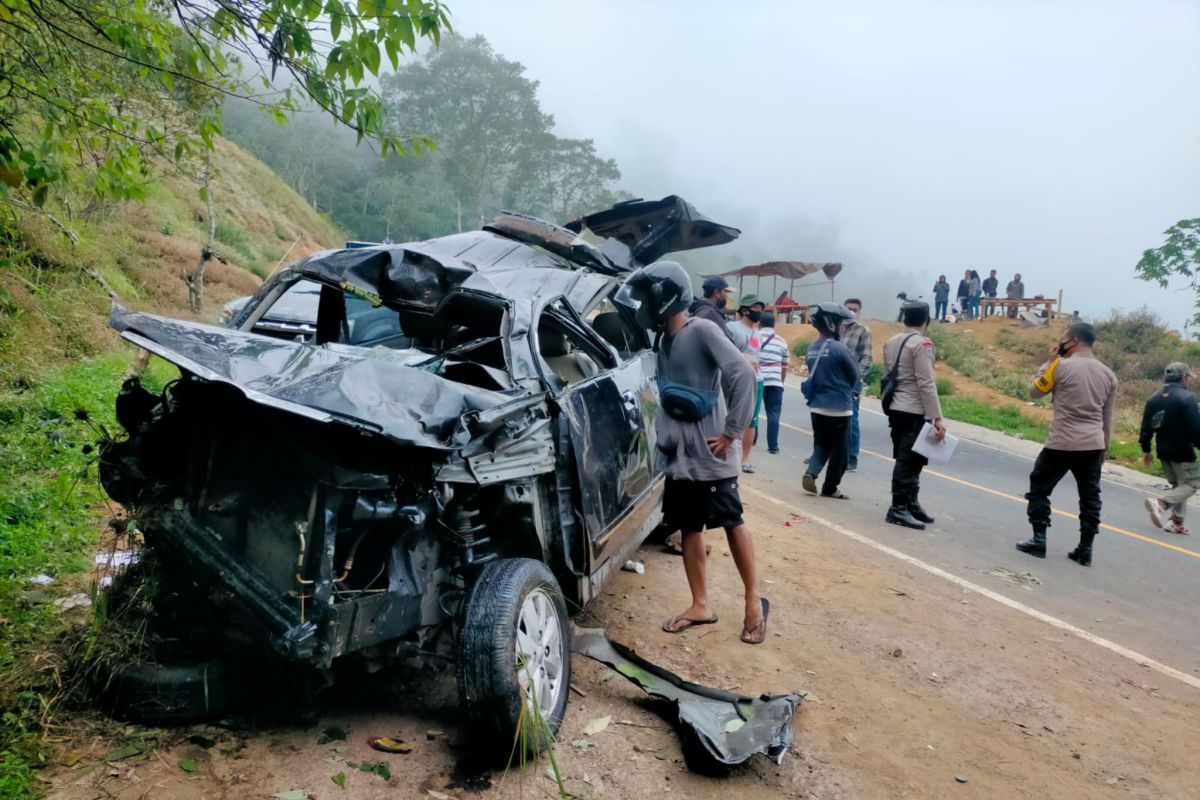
<point x="706" y="392"/>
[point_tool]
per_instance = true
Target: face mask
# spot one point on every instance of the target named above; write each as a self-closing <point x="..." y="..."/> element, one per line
<point x="721" y="303"/>
<point x="1062" y="349"/>
<point x="755" y="316"/>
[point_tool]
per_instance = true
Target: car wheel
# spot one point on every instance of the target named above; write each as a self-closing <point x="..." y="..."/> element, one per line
<point x="514" y="656"/>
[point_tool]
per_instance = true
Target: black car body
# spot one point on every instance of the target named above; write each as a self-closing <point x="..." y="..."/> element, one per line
<point x="470" y="424"/>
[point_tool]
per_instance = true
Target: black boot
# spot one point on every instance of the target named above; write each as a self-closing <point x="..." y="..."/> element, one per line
<point x="1035" y="545"/>
<point x="1082" y="554"/>
<point x="900" y="515"/>
<point x="917" y="512"/>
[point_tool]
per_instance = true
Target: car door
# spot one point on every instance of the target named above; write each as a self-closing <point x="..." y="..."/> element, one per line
<point x="611" y="420"/>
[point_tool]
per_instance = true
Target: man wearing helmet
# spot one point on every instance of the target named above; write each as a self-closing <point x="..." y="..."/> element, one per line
<point x="834" y="380"/>
<point x="706" y="393"/>
<point x="908" y="357"/>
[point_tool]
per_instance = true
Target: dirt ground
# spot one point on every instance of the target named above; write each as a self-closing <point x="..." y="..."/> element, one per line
<point x="913" y="684"/>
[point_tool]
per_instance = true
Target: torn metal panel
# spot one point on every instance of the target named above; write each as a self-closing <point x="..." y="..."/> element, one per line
<point x="646" y="230"/>
<point x="406" y="405"/>
<point x="729" y="727"/>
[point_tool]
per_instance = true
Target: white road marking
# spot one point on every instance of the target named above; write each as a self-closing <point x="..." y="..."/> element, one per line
<point x="1111" y="646"/>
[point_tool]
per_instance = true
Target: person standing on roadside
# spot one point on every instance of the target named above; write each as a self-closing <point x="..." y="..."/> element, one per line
<point x="963" y="295"/>
<point x="1171" y="415"/>
<point x="908" y="356"/>
<point x="941" y="298"/>
<point x="744" y="331"/>
<point x="974" y="293"/>
<point x="773" y="358"/>
<point x="991" y="285"/>
<point x="834" y="380"/>
<point x="1084" y="393"/>
<point x="1014" y="291"/>
<point x="706" y="390"/>
<point x="857" y="337"/>
<point x="712" y="306"/>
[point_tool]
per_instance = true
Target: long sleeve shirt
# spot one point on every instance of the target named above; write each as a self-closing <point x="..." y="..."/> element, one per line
<point x="858" y="338"/>
<point x="834" y="379"/>
<point x="1171" y="414"/>
<point x="1015" y="290"/>
<point x="916" y="390"/>
<point x="700" y="355"/>
<point x="1084" y="393"/>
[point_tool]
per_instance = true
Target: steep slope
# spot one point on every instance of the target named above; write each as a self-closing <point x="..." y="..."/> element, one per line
<point x="54" y="293"/>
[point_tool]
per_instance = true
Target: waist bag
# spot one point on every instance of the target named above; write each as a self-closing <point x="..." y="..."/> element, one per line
<point x="685" y="403"/>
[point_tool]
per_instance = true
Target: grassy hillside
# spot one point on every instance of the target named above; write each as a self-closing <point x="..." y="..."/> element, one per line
<point x="985" y="366"/>
<point x="60" y="368"/>
<point x="54" y="292"/>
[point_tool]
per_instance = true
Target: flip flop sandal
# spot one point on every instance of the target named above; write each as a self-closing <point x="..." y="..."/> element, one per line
<point x="669" y="625"/>
<point x="758" y="634"/>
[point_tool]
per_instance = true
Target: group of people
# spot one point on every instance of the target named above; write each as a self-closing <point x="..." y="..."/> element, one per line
<point x="972" y="295"/>
<point x="714" y="375"/>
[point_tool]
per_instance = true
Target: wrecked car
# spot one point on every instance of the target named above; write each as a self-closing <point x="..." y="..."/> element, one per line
<point x="457" y="458"/>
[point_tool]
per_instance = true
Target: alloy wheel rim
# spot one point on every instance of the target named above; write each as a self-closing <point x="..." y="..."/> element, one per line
<point x="539" y="655"/>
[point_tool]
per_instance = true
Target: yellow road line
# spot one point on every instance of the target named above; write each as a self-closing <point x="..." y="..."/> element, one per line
<point x="1014" y="498"/>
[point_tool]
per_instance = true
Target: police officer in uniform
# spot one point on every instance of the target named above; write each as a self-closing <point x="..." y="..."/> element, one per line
<point x="914" y="402"/>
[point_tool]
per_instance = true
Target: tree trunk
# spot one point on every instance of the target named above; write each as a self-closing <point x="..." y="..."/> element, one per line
<point x="195" y="281"/>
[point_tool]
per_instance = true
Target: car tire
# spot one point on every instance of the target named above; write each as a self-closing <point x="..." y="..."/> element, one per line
<point x="515" y="602"/>
<point x="168" y="694"/>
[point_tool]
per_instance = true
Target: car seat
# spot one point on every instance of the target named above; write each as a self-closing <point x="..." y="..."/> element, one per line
<point x="570" y="366"/>
<point x="613" y="330"/>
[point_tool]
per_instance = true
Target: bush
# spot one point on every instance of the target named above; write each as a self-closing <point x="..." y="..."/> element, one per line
<point x="945" y="387"/>
<point x="800" y="349"/>
<point x="872" y="380"/>
<point x="1137" y="345"/>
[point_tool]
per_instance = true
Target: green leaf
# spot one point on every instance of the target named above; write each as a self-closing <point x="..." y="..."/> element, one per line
<point x="130" y="749"/>
<point x="339" y="779"/>
<point x="40" y="194"/>
<point x="334" y="733"/>
<point x="188" y="765"/>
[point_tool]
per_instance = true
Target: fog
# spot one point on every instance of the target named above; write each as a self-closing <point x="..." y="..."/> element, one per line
<point x="1054" y="139"/>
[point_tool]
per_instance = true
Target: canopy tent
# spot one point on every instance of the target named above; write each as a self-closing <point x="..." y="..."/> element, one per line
<point x="791" y="271"/>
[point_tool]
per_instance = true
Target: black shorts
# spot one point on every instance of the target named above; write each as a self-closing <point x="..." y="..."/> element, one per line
<point x="691" y="506"/>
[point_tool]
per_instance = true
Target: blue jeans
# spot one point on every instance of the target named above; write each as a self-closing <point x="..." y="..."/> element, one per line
<point x="855" y="440"/>
<point x="940" y="309"/>
<point x="973" y="302"/>
<point x="773" y="403"/>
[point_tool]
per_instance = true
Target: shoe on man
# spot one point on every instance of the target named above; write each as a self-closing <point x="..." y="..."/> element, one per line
<point x="1176" y="526"/>
<point x="852" y="468"/>
<point x="1156" y="507"/>
<point x="899" y="515"/>
<point x="809" y="482"/>
<point x="1081" y="555"/>
<point x="748" y="468"/>
<point x="1035" y="545"/>
<point x="919" y="513"/>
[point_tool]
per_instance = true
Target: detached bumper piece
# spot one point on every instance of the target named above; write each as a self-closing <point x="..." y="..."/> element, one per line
<point x="729" y="728"/>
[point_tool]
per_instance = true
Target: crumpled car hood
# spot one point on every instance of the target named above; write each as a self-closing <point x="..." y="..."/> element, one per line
<point x="405" y="404"/>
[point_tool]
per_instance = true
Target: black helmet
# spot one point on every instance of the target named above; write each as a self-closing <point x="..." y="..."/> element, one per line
<point x="661" y="290"/>
<point x="829" y="318"/>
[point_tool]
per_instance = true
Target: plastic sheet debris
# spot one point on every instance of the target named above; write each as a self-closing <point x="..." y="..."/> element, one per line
<point x="41" y="580"/>
<point x="729" y="728"/>
<point x="634" y="566"/>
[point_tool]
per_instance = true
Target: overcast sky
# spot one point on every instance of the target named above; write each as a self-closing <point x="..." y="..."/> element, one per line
<point x="906" y="139"/>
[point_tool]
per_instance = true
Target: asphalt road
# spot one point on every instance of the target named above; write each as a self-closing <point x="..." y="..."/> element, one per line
<point x="1142" y="591"/>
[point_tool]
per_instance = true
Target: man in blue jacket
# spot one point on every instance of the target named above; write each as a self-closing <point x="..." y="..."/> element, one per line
<point x="834" y="380"/>
<point x="1172" y="416"/>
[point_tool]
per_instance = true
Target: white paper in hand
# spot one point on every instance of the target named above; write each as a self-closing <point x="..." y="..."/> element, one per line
<point x="937" y="452"/>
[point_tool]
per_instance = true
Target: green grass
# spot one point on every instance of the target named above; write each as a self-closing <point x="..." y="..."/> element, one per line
<point x="800" y="348"/>
<point x="51" y="513"/>
<point x="945" y="387"/>
<point x="1007" y="419"/>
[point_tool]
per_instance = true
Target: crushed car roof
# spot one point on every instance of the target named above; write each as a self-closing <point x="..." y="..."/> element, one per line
<point x="520" y="256"/>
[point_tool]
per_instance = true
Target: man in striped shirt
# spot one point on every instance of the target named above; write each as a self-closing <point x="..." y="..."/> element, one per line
<point x="773" y="356"/>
